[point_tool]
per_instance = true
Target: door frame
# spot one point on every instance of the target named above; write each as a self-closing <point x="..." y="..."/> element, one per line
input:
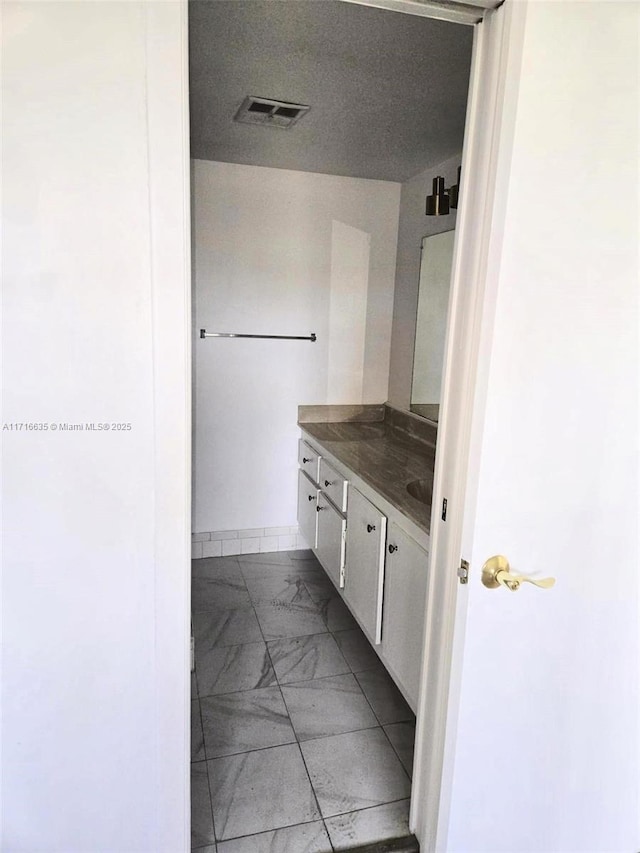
<point x="496" y="59"/>
<point x="486" y="156"/>
<point x="167" y="93"/>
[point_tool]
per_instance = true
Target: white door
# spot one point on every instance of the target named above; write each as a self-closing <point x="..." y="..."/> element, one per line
<point x="307" y="505"/>
<point x="364" y="563"/>
<point x="542" y="736"/>
<point x="330" y="538"/>
<point x="405" y="585"/>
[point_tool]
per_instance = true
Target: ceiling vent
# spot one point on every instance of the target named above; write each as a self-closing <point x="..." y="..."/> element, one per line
<point x="270" y="113"/>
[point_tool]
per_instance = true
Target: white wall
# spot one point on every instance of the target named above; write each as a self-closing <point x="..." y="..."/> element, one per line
<point x="348" y="304"/>
<point x="546" y="733"/>
<point x="288" y="253"/>
<point x="95" y="536"/>
<point x="414" y="225"/>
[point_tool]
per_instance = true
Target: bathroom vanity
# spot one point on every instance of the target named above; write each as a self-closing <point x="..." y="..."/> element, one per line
<point x="364" y="503"/>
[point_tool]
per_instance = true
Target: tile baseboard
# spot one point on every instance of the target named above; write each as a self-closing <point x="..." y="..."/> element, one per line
<point x="255" y="540"/>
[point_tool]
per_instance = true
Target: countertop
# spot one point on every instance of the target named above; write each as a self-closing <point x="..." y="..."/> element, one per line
<point x="383" y="456"/>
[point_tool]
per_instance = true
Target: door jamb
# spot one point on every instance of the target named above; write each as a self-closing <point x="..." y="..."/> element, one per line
<point x="167" y="100"/>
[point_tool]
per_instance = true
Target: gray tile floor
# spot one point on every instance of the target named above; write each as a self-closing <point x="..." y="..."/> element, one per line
<point x="300" y="741"/>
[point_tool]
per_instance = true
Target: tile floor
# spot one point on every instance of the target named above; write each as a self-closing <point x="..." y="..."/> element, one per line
<point x="301" y="743"/>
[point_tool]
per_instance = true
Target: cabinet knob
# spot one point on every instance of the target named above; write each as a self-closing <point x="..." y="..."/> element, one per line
<point x="319" y="508"/>
<point x="370" y="528"/>
<point x="393" y="549"/>
<point x="327" y="483"/>
<point x="304" y="461"/>
<point x="312" y="497"/>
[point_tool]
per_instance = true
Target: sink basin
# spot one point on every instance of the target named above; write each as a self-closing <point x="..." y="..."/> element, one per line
<point x="421" y="490"/>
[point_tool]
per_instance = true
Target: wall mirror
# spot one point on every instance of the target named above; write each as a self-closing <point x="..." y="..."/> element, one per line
<point x="431" y="323"/>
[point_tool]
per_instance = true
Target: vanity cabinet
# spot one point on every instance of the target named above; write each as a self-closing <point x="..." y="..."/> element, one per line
<point x="365" y="564"/>
<point x="405" y="593"/>
<point x="320" y="519"/>
<point x="331" y="539"/>
<point x="372" y="559"/>
<point x="307" y="503"/>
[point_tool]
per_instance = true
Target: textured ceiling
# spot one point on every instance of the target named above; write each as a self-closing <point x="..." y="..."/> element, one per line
<point x="387" y="91"/>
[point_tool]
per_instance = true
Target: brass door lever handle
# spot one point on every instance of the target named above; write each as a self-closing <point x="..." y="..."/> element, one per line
<point x="496" y="572"/>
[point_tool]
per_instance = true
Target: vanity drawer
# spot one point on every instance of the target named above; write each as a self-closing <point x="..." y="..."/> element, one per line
<point x="334" y="485"/>
<point x="308" y="459"/>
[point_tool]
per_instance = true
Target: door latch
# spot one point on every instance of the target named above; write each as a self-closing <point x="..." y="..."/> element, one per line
<point x="463" y="571"/>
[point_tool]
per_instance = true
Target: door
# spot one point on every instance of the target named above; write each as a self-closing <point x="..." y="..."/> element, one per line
<point x="330" y="549"/>
<point x="542" y="736"/>
<point x="307" y="504"/>
<point x="404" y="609"/>
<point x="364" y="569"/>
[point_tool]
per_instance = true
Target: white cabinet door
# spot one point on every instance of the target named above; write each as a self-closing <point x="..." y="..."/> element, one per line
<point x="331" y="540"/>
<point x="307" y="503"/>
<point x="364" y="566"/>
<point x="405" y="588"/>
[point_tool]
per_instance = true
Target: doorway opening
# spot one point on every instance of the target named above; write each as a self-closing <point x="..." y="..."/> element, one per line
<point x="316" y="132"/>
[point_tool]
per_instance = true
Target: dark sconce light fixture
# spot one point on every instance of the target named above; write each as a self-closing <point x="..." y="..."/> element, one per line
<point x="438" y="202"/>
<point x="442" y="199"/>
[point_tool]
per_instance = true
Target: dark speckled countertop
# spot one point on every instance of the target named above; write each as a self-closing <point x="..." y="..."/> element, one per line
<point x="386" y="454"/>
